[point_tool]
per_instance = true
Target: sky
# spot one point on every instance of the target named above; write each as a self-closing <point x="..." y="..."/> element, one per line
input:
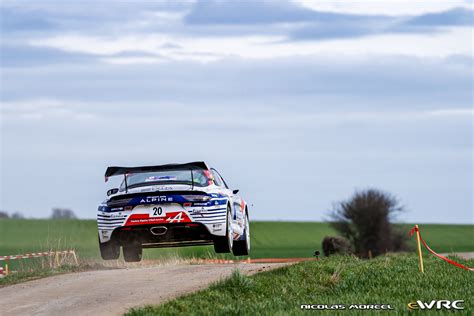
<point x="298" y="104"/>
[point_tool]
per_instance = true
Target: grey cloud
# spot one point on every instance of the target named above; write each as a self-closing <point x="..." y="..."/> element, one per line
<point x="318" y="25"/>
<point x="67" y="16"/>
<point x="21" y="21"/>
<point x="30" y="56"/>
<point x="454" y="17"/>
<point x="387" y="81"/>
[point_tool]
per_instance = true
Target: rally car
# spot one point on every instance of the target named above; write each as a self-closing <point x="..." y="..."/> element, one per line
<point x="171" y="205"/>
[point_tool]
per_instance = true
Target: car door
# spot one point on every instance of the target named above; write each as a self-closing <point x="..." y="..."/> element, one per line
<point x="238" y="211"/>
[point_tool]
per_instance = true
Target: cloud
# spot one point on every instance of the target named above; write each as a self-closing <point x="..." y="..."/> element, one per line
<point x="358" y="26"/>
<point x="103" y="17"/>
<point x="22" y="21"/>
<point x="256" y="12"/>
<point x="311" y="81"/>
<point x="457" y="16"/>
<point x="210" y="31"/>
<point x="162" y="47"/>
<point x="17" y="55"/>
<point x="389" y="8"/>
<point x="309" y="24"/>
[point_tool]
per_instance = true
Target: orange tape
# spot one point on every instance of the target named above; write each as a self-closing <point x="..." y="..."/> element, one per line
<point x="416" y="229"/>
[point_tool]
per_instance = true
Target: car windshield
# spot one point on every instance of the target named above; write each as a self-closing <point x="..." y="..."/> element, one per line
<point x="199" y="177"/>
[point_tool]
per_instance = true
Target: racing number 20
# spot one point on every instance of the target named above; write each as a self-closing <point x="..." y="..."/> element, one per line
<point x="157" y="211"/>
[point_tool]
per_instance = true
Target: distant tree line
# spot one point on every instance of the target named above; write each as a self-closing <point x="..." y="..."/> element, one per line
<point x="62" y="213"/>
<point x="56" y="213"/>
<point x="15" y="215"/>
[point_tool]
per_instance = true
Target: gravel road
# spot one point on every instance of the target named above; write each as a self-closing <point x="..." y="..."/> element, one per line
<point x="113" y="292"/>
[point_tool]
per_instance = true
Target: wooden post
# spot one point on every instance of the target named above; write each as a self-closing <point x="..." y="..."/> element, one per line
<point x="6" y="269"/>
<point x="420" y="257"/>
<point x="75" y="257"/>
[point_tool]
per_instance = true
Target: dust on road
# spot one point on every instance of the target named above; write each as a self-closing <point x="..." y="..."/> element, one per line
<point x="113" y="292"/>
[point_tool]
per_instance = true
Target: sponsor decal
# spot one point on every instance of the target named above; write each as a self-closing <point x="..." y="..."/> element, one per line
<point x="437" y="305"/>
<point x="171" y="217"/>
<point x="162" y="188"/>
<point x="176" y="219"/>
<point x="154" y="199"/>
<point x="198" y="211"/>
<point x="346" y="307"/>
<point x="217" y="227"/>
<point x="160" y="178"/>
<point x="200" y="204"/>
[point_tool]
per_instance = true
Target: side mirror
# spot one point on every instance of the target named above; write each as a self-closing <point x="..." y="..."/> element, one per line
<point x="112" y="191"/>
<point x="235" y="191"/>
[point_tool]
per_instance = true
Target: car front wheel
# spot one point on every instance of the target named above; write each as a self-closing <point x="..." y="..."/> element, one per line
<point x="132" y="252"/>
<point x="242" y="247"/>
<point x="224" y="244"/>
<point x="109" y="250"/>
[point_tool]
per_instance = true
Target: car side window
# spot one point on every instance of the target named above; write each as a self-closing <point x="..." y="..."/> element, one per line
<point x="222" y="179"/>
<point x="217" y="179"/>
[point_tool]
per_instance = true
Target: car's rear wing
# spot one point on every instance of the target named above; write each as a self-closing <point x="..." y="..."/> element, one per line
<point x="116" y="171"/>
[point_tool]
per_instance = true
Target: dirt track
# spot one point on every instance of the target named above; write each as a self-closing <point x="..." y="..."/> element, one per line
<point x="113" y="292"/>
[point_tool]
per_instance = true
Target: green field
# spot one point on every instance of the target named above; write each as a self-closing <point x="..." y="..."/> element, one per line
<point x="269" y="239"/>
<point x="392" y="279"/>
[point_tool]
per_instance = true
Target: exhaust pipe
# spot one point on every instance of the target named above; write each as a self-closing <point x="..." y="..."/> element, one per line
<point x="158" y="230"/>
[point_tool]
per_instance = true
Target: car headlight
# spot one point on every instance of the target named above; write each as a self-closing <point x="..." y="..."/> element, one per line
<point x="197" y="198"/>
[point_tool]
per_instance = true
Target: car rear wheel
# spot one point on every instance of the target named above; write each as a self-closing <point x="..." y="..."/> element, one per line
<point x="224" y="244"/>
<point x="132" y="252"/>
<point x="109" y="250"/>
<point x="242" y="247"/>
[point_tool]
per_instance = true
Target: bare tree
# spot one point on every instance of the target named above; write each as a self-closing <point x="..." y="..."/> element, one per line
<point x="62" y="213"/>
<point x="364" y="220"/>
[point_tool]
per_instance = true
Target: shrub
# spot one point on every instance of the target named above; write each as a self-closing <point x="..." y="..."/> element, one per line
<point x="364" y="220"/>
<point x="336" y="245"/>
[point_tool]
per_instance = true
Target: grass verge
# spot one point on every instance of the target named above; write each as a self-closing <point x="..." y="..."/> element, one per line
<point x="391" y="279"/>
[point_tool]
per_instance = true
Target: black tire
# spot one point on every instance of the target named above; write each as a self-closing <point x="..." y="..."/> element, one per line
<point x="132" y="252"/>
<point x="109" y="250"/>
<point x="224" y="244"/>
<point x="242" y="247"/>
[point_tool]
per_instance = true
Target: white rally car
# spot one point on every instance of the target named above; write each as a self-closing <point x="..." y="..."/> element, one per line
<point x="171" y="205"/>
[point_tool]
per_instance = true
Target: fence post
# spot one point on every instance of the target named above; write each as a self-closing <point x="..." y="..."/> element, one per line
<point x="75" y="257"/>
<point x="420" y="257"/>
